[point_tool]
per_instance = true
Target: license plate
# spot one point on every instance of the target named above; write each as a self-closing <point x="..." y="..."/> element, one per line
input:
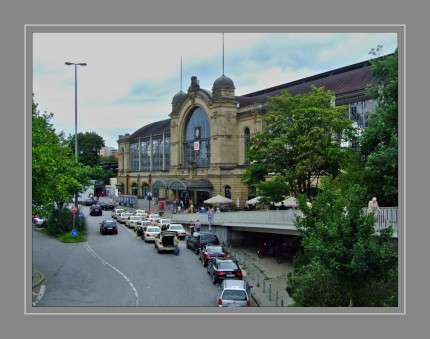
<point x="229" y="275"/>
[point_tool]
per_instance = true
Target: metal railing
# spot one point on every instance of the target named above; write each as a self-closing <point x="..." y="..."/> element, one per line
<point x="384" y="217"/>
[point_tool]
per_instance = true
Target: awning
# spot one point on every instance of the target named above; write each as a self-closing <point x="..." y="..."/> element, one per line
<point x="196" y="185"/>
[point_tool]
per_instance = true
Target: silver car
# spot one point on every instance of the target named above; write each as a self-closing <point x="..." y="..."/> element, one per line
<point x="234" y="293"/>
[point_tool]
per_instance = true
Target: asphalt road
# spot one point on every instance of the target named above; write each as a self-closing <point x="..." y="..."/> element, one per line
<point x="118" y="271"/>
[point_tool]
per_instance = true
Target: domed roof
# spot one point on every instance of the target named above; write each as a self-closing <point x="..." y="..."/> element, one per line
<point x="223" y="82"/>
<point x="178" y="97"/>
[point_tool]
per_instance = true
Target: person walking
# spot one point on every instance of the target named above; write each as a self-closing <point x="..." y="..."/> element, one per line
<point x="198" y="225"/>
<point x="176" y="244"/>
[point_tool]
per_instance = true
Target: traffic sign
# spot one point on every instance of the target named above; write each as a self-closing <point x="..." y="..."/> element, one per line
<point x="74" y="209"/>
<point x="74" y="233"/>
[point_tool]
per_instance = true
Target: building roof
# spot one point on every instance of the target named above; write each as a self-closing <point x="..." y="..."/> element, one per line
<point x="155" y="128"/>
<point x="343" y="80"/>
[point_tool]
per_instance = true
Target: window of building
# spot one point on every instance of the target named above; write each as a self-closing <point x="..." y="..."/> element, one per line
<point x="197" y="139"/>
<point x="227" y="192"/>
<point x="247" y="138"/>
<point x="134" y="157"/>
<point x="252" y="192"/>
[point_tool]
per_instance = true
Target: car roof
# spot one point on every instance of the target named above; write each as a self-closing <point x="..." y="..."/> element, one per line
<point x="234" y="284"/>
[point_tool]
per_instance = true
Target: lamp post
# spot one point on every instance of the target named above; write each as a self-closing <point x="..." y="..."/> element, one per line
<point x="76" y="114"/>
<point x="149" y="196"/>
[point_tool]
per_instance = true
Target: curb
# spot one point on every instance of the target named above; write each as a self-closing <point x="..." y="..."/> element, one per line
<point x="38" y="278"/>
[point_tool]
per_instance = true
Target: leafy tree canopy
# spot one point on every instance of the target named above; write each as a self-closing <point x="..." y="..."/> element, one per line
<point x="56" y="176"/>
<point x="338" y="236"/>
<point x="89" y="146"/>
<point x="379" y="144"/>
<point x="301" y="141"/>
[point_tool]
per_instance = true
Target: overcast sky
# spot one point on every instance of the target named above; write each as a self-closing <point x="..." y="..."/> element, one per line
<point x="131" y="78"/>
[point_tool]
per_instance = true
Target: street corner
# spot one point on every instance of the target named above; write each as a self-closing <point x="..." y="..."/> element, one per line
<point x="37" y="278"/>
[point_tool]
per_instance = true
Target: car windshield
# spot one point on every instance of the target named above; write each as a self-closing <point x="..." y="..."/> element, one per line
<point x="229" y="265"/>
<point x="208" y="237"/>
<point x="125" y="214"/>
<point x="109" y="223"/>
<point x="214" y="249"/>
<point x="234" y="295"/>
<point x="135" y="218"/>
<point x="153" y="229"/>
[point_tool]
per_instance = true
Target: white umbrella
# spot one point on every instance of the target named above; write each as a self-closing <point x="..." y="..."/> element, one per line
<point x="218" y="199"/>
<point x="288" y="202"/>
<point x="253" y="201"/>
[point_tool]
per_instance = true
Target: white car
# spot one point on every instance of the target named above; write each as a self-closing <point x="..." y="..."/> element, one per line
<point x="154" y="218"/>
<point x="40" y="222"/>
<point x="116" y="212"/>
<point x="150" y="233"/>
<point x="179" y="229"/>
<point x="164" y="241"/>
<point x="141" y="225"/>
<point x="141" y="213"/>
<point x="132" y="220"/>
<point x="123" y="217"/>
<point x="162" y="223"/>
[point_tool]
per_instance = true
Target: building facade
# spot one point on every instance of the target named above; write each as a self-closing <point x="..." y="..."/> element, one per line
<point x="200" y="151"/>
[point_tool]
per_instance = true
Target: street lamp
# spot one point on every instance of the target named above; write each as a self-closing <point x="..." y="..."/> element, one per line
<point x="149" y="197"/>
<point x="76" y="114"/>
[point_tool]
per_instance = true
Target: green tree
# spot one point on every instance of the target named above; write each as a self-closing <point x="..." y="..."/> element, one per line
<point x="341" y="244"/>
<point x="379" y="145"/>
<point x="55" y="175"/>
<point x="302" y="140"/>
<point x="89" y="145"/>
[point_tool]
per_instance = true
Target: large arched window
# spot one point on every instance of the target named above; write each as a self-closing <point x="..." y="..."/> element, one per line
<point x="247" y="138"/>
<point x="197" y="139"/>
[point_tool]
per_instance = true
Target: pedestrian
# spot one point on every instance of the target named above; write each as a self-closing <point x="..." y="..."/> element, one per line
<point x="282" y="207"/>
<point x="198" y="225"/>
<point x="176" y="244"/>
<point x="373" y="206"/>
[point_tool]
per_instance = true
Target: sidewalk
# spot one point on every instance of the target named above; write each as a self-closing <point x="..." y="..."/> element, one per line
<point x="268" y="278"/>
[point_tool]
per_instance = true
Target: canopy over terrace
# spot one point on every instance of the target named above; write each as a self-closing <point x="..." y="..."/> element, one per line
<point x="198" y="189"/>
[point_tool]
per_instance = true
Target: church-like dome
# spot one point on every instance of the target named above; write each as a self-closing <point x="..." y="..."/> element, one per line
<point x="178" y="97"/>
<point x="223" y="82"/>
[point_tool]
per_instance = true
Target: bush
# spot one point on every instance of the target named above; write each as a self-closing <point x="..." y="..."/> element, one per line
<point x="61" y="222"/>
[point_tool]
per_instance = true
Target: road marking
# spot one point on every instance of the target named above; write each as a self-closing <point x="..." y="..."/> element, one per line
<point x="40" y="295"/>
<point x="123" y="275"/>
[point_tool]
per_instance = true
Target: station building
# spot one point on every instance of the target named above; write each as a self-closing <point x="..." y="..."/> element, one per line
<point x="200" y="151"/>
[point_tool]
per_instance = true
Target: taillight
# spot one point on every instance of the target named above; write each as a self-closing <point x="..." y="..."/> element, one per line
<point x="239" y="274"/>
<point x="220" y="301"/>
<point x="248" y="303"/>
<point x="218" y="273"/>
<point x="207" y="255"/>
<point x="199" y="245"/>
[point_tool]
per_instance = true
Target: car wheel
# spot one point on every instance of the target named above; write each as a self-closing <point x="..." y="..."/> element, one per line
<point x="196" y="250"/>
<point x="204" y="263"/>
<point x="207" y="269"/>
<point x="214" y="280"/>
<point x="187" y="245"/>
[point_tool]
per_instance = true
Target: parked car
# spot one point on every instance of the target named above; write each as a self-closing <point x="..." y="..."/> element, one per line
<point x="164" y="241"/>
<point x="116" y="212"/>
<point x="41" y="222"/>
<point x="221" y="269"/>
<point x="96" y="210"/>
<point x="153" y="218"/>
<point x="108" y="226"/>
<point x="132" y="220"/>
<point x="123" y="217"/>
<point x="162" y="223"/>
<point x="149" y="233"/>
<point x="88" y="202"/>
<point x="210" y="251"/>
<point x="234" y="293"/>
<point x="197" y="240"/>
<point x="141" y="213"/>
<point x="107" y="206"/>
<point x="179" y="229"/>
<point x="140" y="226"/>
